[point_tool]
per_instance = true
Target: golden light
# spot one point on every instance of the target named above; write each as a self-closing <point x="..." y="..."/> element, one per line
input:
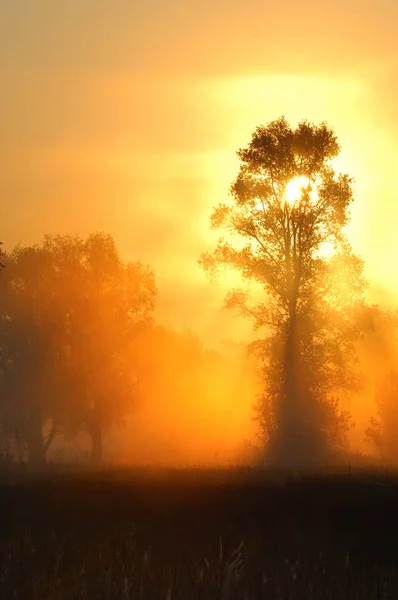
<point x="293" y="192"/>
<point x="326" y="250"/>
<point x="296" y="188"/>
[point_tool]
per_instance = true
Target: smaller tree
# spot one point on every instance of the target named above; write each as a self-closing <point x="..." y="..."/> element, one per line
<point x="108" y="304"/>
<point x="30" y="351"/>
<point x="72" y="312"/>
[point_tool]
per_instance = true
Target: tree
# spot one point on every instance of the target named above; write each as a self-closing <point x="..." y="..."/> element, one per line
<point x="108" y="304"/>
<point x="288" y="207"/>
<point x="72" y="312"/>
<point x="31" y="350"/>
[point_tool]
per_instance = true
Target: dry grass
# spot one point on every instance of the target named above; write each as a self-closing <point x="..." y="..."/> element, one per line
<point x="56" y="568"/>
<point x="310" y="540"/>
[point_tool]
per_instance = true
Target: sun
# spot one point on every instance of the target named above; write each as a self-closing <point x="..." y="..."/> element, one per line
<point x="295" y="189"/>
<point x="292" y="195"/>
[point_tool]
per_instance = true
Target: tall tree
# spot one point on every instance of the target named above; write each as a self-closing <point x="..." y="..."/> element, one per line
<point x="288" y="208"/>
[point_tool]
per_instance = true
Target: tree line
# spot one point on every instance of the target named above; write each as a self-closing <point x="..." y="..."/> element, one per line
<point x="81" y="354"/>
<point x="79" y="343"/>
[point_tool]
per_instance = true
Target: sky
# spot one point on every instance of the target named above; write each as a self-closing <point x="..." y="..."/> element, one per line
<point x="125" y="116"/>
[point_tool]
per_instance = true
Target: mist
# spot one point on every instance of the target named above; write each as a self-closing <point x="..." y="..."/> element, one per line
<point x="195" y="409"/>
<point x="95" y="140"/>
<point x="81" y="337"/>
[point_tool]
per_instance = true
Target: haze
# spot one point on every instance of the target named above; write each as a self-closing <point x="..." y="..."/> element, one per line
<point x="125" y="117"/>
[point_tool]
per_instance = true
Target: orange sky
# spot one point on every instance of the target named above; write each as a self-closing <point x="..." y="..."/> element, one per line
<point x="125" y="116"/>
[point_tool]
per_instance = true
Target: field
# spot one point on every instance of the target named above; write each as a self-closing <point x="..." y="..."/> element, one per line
<point x="233" y="534"/>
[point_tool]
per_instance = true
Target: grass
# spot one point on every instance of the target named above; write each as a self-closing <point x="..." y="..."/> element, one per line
<point x="233" y="534"/>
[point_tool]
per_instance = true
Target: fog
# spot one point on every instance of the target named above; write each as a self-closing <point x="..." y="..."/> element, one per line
<point x="196" y="411"/>
<point x="87" y="366"/>
<point x="127" y="121"/>
<point x="196" y="415"/>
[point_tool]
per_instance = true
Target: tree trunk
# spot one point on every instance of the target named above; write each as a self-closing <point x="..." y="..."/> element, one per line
<point x="287" y="444"/>
<point x="301" y="442"/>
<point x="290" y="399"/>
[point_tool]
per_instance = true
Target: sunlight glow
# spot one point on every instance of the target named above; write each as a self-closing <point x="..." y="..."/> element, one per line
<point x="292" y="195"/>
<point x="326" y="250"/>
<point x="295" y="190"/>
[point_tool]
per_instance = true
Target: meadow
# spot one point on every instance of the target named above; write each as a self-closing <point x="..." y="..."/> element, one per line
<point x="199" y="534"/>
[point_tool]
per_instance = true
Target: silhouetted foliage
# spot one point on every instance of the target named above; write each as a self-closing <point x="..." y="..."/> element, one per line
<point x="71" y="314"/>
<point x="277" y="240"/>
<point x="31" y="341"/>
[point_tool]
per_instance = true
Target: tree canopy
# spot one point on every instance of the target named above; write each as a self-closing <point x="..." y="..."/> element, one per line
<point x="71" y="314"/>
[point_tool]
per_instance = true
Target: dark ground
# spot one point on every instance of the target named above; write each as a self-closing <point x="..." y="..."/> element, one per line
<point x="178" y="535"/>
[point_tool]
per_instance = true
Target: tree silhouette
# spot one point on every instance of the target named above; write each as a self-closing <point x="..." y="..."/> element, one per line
<point x="107" y="304"/>
<point x="31" y="336"/>
<point x="72" y="312"/>
<point x="289" y="205"/>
